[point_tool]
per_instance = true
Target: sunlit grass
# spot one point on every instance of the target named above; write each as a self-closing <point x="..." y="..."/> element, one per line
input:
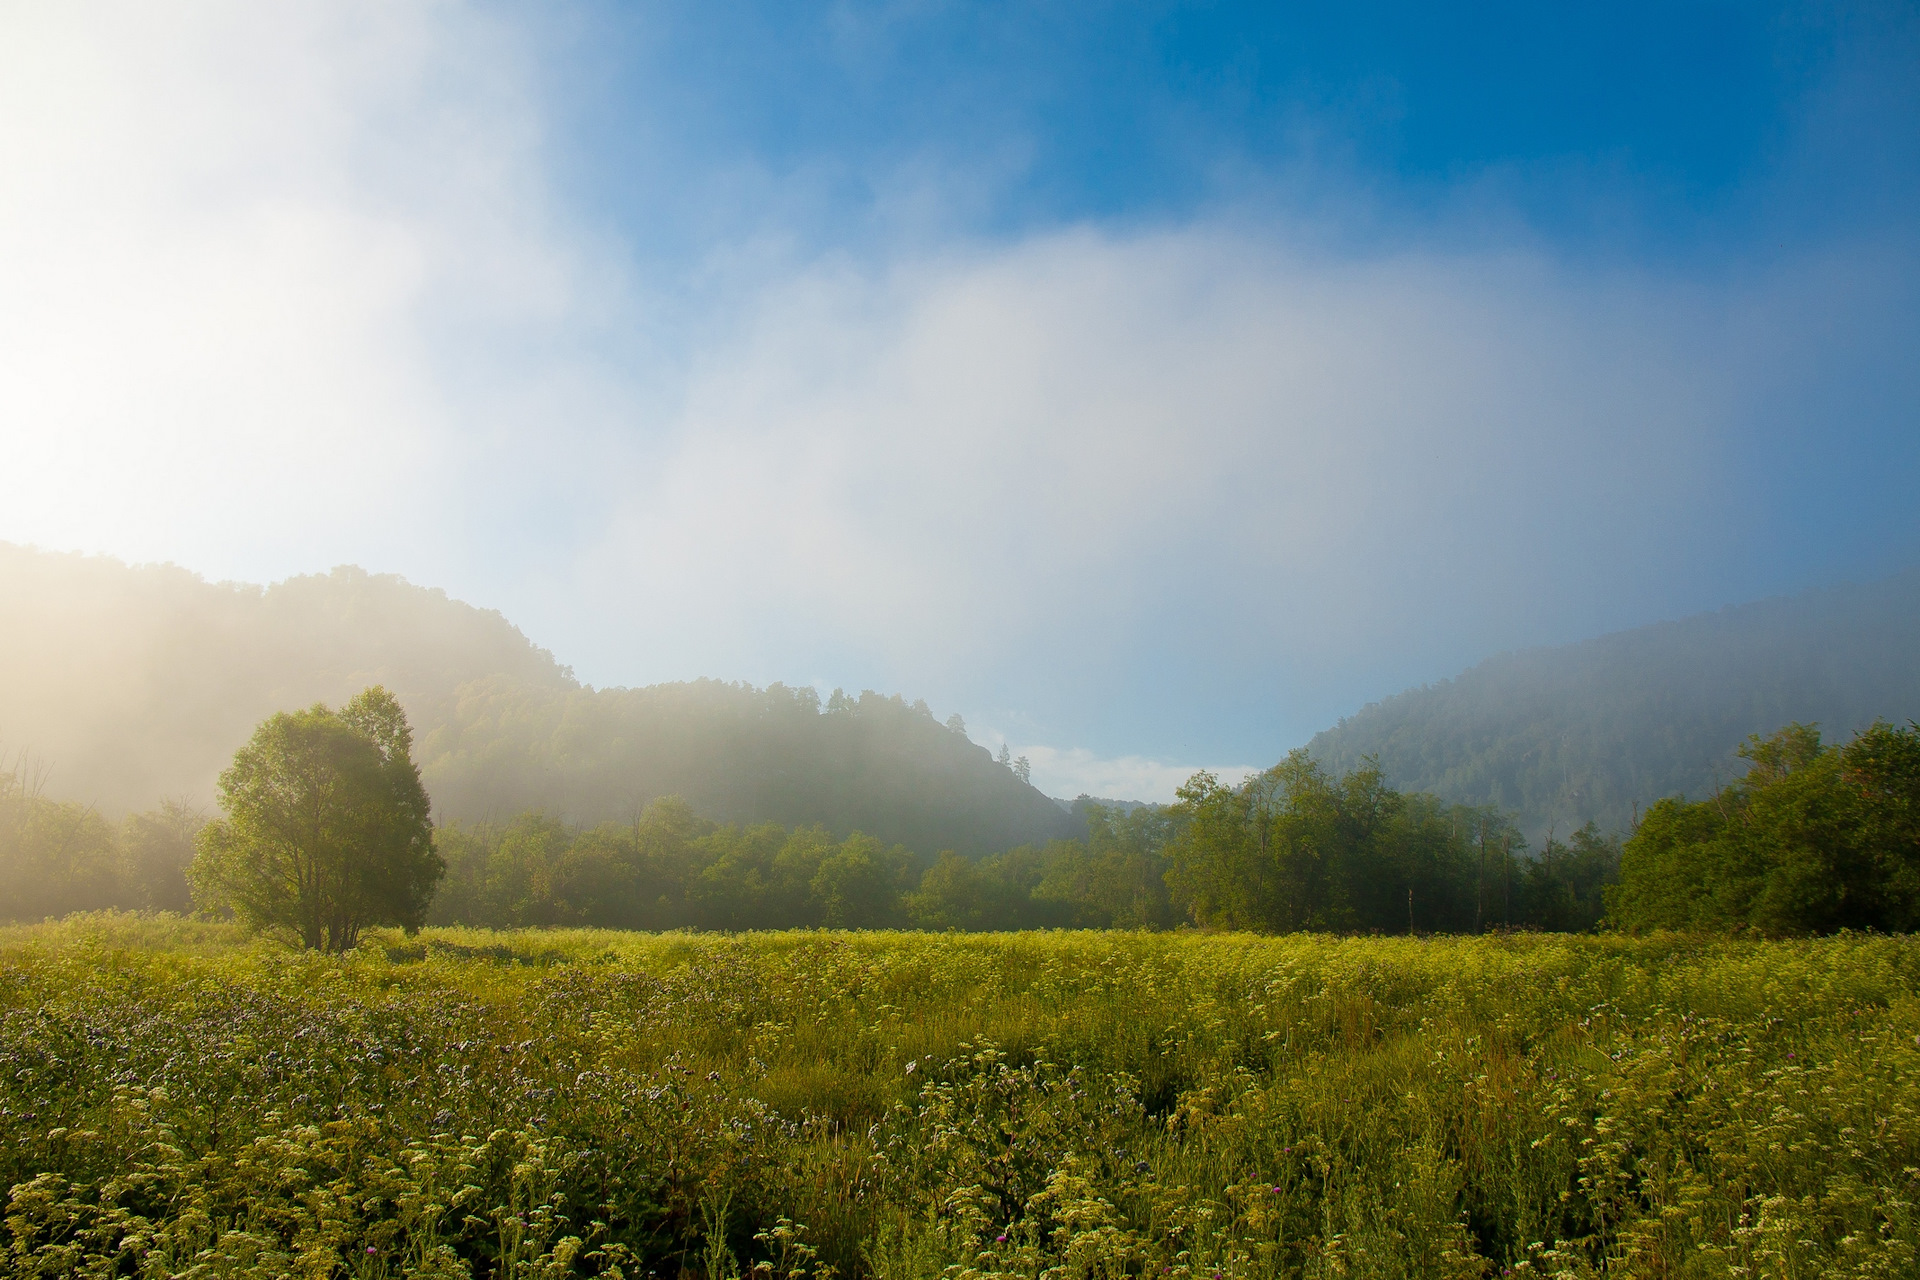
<point x="175" y="1095"/>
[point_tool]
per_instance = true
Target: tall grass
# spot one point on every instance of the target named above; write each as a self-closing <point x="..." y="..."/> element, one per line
<point x="178" y="1100"/>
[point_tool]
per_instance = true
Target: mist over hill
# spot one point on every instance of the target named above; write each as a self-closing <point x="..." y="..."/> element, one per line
<point x="130" y="684"/>
<point x="1601" y="729"/>
<point x="133" y="684"/>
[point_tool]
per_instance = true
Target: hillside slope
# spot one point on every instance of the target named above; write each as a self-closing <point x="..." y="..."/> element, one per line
<point x="133" y="684"/>
<point x="1600" y="729"/>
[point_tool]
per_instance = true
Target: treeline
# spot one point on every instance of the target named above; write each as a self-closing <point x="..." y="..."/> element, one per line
<point x="1815" y="838"/>
<point x="1298" y="847"/>
<point x="140" y="682"/>
<point x="865" y="762"/>
<point x="671" y="869"/>
<point x="58" y="857"/>
<point x="1292" y="849"/>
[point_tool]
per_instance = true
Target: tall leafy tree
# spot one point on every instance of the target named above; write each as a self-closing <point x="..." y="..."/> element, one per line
<point x="1814" y="838"/>
<point x="159" y="849"/>
<point x="1297" y="848"/>
<point x="1882" y="766"/>
<point x="326" y="828"/>
<point x="1281" y="850"/>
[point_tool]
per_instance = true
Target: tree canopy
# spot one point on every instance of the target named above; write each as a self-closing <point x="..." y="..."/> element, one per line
<point x="1298" y="847"/>
<point x="326" y="828"/>
<point x="1815" y="838"/>
<point x="1325" y="865"/>
<point x="60" y="856"/>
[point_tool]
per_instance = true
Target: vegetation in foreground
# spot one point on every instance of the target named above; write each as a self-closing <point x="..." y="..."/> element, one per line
<point x="178" y="1100"/>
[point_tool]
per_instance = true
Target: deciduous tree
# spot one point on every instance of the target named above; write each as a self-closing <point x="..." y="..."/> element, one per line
<point x="326" y="827"/>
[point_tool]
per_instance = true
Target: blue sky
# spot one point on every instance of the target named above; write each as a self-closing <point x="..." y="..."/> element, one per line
<point x="1153" y="384"/>
<point x="1676" y="134"/>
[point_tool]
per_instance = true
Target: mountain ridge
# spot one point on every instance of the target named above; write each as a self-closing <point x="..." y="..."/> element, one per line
<point x="1599" y="729"/>
<point x="137" y="683"/>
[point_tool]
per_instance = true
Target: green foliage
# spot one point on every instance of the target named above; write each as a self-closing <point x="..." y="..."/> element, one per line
<point x="1565" y="886"/>
<point x="1114" y="878"/>
<point x="1298" y="848"/>
<point x="58" y="857"/>
<point x="1337" y="854"/>
<point x="667" y="869"/>
<point x="159" y="848"/>
<point x="326" y="829"/>
<point x="1814" y="838"/>
<point x="1348" y="851"/>
<point x="176" y="1100"/>
<point x="1882" y="765"/>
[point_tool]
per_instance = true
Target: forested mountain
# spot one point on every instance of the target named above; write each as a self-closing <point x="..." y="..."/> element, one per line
<point x="735" y="753"/>
<point x="1601" y="730"/>
<point x="130" y="685"/>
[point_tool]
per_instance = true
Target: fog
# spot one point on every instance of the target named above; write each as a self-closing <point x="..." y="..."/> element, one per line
<point x="306" y="287"/>
<point x="125" y="687"/>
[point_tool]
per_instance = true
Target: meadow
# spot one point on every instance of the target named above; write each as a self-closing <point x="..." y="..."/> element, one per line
<point x="177" y="1099"/>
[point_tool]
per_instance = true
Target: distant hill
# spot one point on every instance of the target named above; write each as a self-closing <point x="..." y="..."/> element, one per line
<point x="133" y="684"/>
<point x="1080" y="804"/>
<point x="1601" y="729"/>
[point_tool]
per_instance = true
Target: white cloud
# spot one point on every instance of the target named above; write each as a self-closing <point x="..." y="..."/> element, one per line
<point x="236" y="240"/>
<point x="957" y="460"/>
<point x="1079" y="772"/>
<point x="288" y="286"/>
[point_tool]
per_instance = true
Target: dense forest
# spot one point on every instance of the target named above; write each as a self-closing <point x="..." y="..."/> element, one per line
<point x="872" y="763"/>
<point x="1599" y="731"/>
<point x="1815" y="838"/>
<point x="1291" y="849"/>
<point x="134" y="685"/>
<point x="60" y="856"/>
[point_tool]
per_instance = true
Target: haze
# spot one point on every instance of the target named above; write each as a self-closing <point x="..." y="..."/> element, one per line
<point x="1152" y="385"/>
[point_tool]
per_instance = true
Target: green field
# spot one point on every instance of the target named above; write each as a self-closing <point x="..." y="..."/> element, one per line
<point x="178" y="1100"/>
